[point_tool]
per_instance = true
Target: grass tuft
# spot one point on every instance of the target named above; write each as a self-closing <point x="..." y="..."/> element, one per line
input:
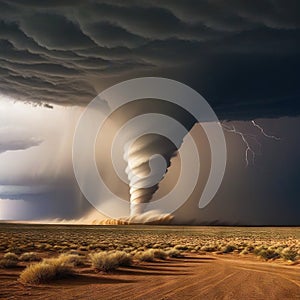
<point x="147" y="255"/>
<point x="6" y="263"/>
<point x="11" y="256"/>
<point x="29" y="256"/>
<point x="45" y="271"/>
<point x="104" y="261"/>
<point x="174" y="253"/>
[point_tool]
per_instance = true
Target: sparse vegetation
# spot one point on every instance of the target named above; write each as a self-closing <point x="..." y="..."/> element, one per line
<point x="29" y="256"/>
<point x="174" y="253"/>
<point x="106" y="250"/>
<point x="289" y="254"/>
<point x="6" y="263"/>
<point x="160" y="254"/>
<point x="147" y="255"/>
<point x="124" y="259"/>
<point x="73" y="259"/>
<point x="11" y="256"/>
<point x="45" y="271"/>
<point x="104" y="261"/>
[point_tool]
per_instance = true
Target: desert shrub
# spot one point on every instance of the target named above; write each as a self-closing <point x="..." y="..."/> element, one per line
<point x="37" y="273"/>
<point x="45" y="271"/>
<point x="124" y="259"/>
<point x="228" y="248"/>
<point x="268" y="254"/>
<point x="11" y="256"/>
<point x="160" y="254"/>
<point x="29" y="256"/>
<point x="249" y="249"/>
<point x="174" y="253"/>
<point x="289" y="254"/>
<point x="208" y="248"/>
<point x="258" y="249"/>
<point x="73" y="259"/>
<point x="6" y="263"/>
<point x="147" y="255"/>
<point x="181" y="247"/>
<point x="104" y="261"/>
<point x="244" y="251"/>
<point x="62" y="267"/>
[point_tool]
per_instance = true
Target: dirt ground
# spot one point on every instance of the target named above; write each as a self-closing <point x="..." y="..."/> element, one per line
<point x="192" y="277"/>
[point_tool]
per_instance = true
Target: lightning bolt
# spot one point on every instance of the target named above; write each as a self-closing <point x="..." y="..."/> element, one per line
<point x="250" y="153"/>
<point x="248" y="150"/>
<point x="264" y="133"/>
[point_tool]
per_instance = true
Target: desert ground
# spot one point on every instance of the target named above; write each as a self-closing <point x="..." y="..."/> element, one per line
<point x="208" y="262"/>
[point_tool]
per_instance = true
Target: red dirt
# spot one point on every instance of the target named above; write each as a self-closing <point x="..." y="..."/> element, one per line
<point x="193" y="277"/>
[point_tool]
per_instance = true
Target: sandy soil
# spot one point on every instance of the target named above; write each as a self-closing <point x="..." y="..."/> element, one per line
<point x="193" y="277"/>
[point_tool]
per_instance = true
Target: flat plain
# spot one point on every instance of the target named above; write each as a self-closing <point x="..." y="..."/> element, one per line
<point x="161" y="262"/>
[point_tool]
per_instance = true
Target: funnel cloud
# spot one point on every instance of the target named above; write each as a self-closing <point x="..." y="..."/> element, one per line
<point x="243" y="58"/>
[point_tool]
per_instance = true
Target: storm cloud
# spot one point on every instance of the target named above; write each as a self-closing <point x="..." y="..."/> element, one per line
<point x="242" y="57"/>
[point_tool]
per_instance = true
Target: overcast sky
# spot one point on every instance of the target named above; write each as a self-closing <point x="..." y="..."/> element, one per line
<point x="243" y="57"/>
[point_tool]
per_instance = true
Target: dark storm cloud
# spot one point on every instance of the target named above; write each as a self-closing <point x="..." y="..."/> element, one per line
<point x="54" y="32"/>
<point x="244" y="57"/>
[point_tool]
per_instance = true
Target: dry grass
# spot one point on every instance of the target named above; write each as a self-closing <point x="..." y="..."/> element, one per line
<point x="6" y="263"/>
<point x="160" y="254"/>
<point x="73" y="259"/>
<point x="174" y="253"/>
<point x="147" y="255"/>
<point x="11" y="256"/>
<point x="267" y="243"/>
<point x="124" y="259"/>
<point x="29" y="256"/>
<point x="106" y="261"/>
<point x="289" y="254"/>
<point x="45" y="271"/>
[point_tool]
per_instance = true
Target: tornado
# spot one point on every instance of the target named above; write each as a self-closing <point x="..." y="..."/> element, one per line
<point x="149" y="158"/>
<point x="137" y="131"/>
<point x="148" y="155"/>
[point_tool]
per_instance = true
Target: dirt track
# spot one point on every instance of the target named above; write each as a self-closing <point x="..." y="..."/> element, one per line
<point x="204" y="277"/>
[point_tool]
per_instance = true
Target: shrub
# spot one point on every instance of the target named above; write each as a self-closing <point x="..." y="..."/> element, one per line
<point x="147" y="255"/>
<point x="258" y="249"/>
<point x="174" y="253"/>
<point x="29" y="256"/>
<point x="181" y="247"/>
<point x="268" y="254"/>
<point x="45" y="271"/>
<point x="160" y="254"/>
<point x="10" y="256"/>
<point x="73" y="259"/>
<point x="62" y="267"/>
<point x="289" y="254"/>
<point x="38" y="273"/>
<point x="124" y="259"/>
<point x="208" y="248"/>
<point x="228" y="248"/>
<point x="8" y="263"/>
<point x="244" y="251"/>
<point x="104" y="261"/>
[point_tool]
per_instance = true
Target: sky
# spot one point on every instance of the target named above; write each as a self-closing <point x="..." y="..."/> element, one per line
<point x="242" y="57"/>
